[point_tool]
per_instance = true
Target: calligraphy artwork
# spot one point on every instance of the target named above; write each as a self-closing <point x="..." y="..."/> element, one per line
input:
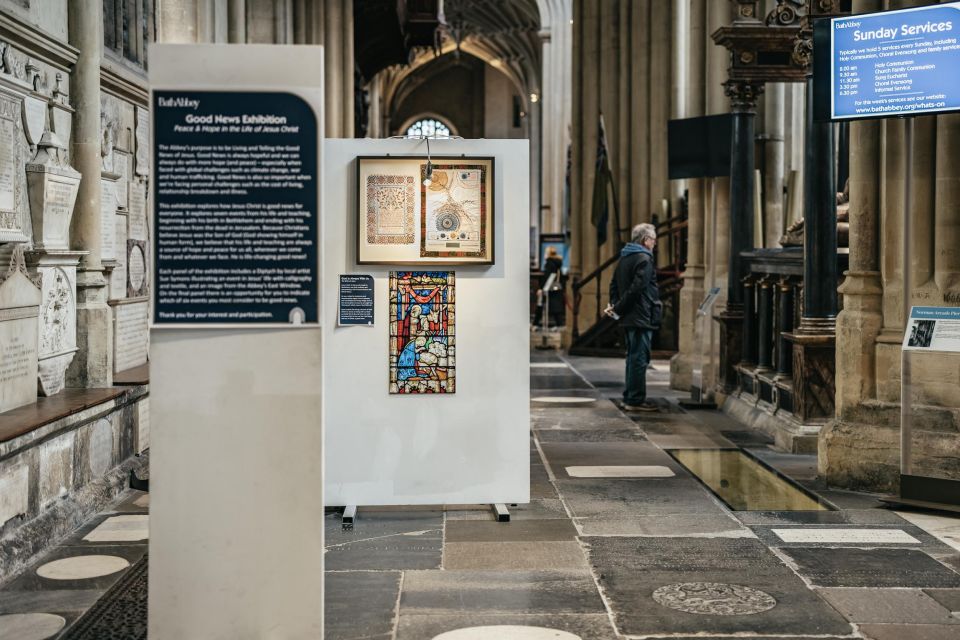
<point x="422" y="332"/>
<point x="425" y="213"/>
<point x="390" y="209"/>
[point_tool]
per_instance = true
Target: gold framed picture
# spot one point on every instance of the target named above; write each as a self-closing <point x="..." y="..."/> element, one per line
<point x="409" y="213"/>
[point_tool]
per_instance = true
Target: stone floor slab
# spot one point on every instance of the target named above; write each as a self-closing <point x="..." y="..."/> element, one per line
<point x="945" y="528"/>
<point x="633" y="569"/>
<point x="385" y="541"/>
<point x="536" y="509"/>
<point x="618" y="433"/>
<point x="30" y="581"/>
<point x="561" y="455"/>
<point x="854" y="516"/>
<point x="480" y="592"/>
<point x="909" y="632"/>
<point x="520" y="531"/>
<point x="539" y="381"/>
<point x="948" y="598"/>
<point x="908" y="606"/>
<point x="52" y="600"/>
<point x="586" y="627"/>
<point x="628" y="498"/>
<point x="834" y="535"/>
<point x="513" y="556"/>
<point x="360" y="604"/>
<point x="704" y="525"/>
<point x="623" y="471"/>
<point x="851" y="567"/>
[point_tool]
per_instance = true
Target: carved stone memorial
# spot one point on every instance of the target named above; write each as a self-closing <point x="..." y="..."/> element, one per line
<point x="20" y="299"/>
<point x="136" y="268"/>
<point x="137" y="223"/>
<point x="108" y="217"/>
<point x="52" y="188"/>
<point x="118" y="277"/>
<point x="142" y="135"/>
<point x="130" y="331"/>
<point x="11" y="161"/>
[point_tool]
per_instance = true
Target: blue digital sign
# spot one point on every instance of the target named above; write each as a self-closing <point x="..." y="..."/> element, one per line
<point x="895" y="63"/>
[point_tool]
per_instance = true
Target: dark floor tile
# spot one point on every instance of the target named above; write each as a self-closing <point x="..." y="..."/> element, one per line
<point x="540" y="485"/>
<point x="853" y="516"/>
<point x="627" y="498"/>
<point x="747" y="438"/>
<point x="948" y="598"/>
<point x="536" y="509"/>
<point x="850" y="499"/>
<point x="585" y="626"/>
<point x="633" y="569"/>
<point x="909" y="632"/>
<point x="360" y="605"/>
<point x="849" y="567"/>
<point x="924" y="540"/>
<point x="561" y="455"/>
<point x="30" y="581"/>
<point x="56" y="601"/>
<point x="615" y="434"/>
<point x="558" y="530"/>
<point x="555" y="381"/>
<point x="664" y="525"/>
<point x="385" y="541"/>
<point x="480" y="592"/>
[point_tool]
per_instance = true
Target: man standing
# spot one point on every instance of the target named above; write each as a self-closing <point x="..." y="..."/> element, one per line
<point x="635" y="302"/>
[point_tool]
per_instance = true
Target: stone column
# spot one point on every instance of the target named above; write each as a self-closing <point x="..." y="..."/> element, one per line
<point x="743" y="100"/>
<point x="93" y="364"/>
<point x="765" y="325"/>
<point x="773" y="149"/>
<point x="237" y="21"/>
<point x="689" y="26"/>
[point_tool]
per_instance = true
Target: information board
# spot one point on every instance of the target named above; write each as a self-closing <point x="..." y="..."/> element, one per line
<point x="236" y="209"/>
<point x="894" y="63"/>
<point x="933" y="329"/>
<point x="355" y="304"/>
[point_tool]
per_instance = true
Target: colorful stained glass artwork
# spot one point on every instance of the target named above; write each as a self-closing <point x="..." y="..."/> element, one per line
<point x="422" y="336"/>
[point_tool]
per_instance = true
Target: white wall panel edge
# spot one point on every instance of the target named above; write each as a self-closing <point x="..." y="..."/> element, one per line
<point x="468" y="447"/>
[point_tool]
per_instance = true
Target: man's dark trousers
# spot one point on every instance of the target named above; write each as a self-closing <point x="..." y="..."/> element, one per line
<point x="638" y="359"/>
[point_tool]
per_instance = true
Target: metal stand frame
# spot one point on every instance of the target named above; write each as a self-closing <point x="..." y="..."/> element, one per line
<point x="349" y="516"/>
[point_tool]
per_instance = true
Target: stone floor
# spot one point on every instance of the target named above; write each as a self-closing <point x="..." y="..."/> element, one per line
<point x="619" y="541"/>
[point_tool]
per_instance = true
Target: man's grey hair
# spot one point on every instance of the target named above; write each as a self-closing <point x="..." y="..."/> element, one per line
<point x="643" y="231"/>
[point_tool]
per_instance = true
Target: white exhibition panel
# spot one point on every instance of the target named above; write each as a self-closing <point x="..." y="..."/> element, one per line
<point x="236" y="526"/>
<point x="469" y="447"/>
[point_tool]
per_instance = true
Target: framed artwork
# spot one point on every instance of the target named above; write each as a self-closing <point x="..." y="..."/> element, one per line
<point x="423" y="343"/>
<point x="405" y="219"/>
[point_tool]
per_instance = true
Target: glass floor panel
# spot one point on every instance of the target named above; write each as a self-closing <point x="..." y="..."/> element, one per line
<point x="744" y="483"/>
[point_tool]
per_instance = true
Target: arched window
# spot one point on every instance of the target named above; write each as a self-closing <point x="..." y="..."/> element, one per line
<point x="429" y="127"/>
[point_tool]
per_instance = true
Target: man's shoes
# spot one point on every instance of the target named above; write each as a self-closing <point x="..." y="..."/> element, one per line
<point x="646" y="406"/>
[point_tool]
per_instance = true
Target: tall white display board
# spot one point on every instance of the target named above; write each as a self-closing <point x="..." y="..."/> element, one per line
<point x="471" y="446"/>
<point x="236" y="525"/>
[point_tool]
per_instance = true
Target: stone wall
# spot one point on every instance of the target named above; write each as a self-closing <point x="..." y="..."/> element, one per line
<point x="73" y="236"/>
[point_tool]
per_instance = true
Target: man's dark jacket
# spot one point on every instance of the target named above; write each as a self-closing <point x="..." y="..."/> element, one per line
<point x="633" y="289"/>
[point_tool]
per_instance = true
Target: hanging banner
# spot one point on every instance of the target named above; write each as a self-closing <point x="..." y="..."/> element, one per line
<point x="894" y="63"/>
<point x="933" y="329"/>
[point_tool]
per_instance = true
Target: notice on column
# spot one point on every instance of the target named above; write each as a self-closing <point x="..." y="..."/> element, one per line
<point x="356" y="300"/>
<point x="933" y="329"/>
<point x="897" y="62"/>
<point x="236" y="209"/>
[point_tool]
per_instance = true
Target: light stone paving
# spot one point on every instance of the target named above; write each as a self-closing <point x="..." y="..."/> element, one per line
<point x="626" y="471"/>
<point x="865" y="536"/>
<point x="82" y="567"/>
<point x="130" y="528"/>
<point x="506" y="632"/>
<point x="945" y="528"/>
<point x="563" y="399"/>
<point x="30" y="626"/>
<point x="548" y="365"/>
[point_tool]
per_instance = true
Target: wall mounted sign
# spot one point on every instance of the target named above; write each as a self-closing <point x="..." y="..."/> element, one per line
<point x="355" y="300"/>
<point x="405" y="216"/>
<point x="894" y="63"/>
<point x="236" y="209"/>
<point x="933" y="329"/>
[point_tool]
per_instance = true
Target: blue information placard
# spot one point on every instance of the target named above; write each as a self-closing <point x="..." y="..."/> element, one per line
<point x="895" y="63"/>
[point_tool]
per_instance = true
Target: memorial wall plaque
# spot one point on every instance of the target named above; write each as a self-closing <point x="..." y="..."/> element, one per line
<point x="142" y="135"/>
<point x="137" y="217"/>
<point x="11" y="163"/>
<point x="121" y="164"/>
<point x="34" y="117"/>
<point x="108" y="222"/>
<point x="19" y="307"/>
<point x="118" y="279"/>
<point x="236" y="209"/>
<point x="136" y="268"/>
<point x="57" y="322"/>
<point x="130" y="335"/>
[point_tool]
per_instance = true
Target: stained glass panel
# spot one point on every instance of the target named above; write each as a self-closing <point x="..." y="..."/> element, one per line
<point x="422" y="332"/>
